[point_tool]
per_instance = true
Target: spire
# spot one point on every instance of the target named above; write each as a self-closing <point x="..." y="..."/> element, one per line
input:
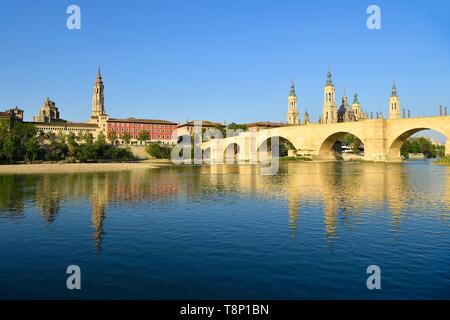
<point x="99" y="75"/>
<point x="306" y="112"/>
<point x="292" y="93"/>
<point x="329" y="81"/>
<point x="394" y="90"/>
<point x="355" y="98"/>
<point x="98" y="99"/>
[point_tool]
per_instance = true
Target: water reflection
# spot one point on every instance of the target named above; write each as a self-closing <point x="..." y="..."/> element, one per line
<point x="345" y="192"/>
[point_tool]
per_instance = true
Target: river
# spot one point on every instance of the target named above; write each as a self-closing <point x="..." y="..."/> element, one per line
<point x="228" y="232"/>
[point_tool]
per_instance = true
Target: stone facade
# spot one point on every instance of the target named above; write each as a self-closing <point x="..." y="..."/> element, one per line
<point x="98" y="98"/>
<point x="329" y="110"/>
<point x="48" y="120"/>
<point x="48" y="112"/>
<point x="394" y="104"/>
<point x="292" y="114"/>
<point x="158" y="130"/>
<point x="382" y="138"/>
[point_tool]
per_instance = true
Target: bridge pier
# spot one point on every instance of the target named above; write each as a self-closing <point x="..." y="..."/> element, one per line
<point x="382" y="139"/>
<point x="374" y="150"/>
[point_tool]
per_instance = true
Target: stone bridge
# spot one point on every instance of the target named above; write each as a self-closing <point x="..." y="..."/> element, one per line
<point x="382" y="139"/>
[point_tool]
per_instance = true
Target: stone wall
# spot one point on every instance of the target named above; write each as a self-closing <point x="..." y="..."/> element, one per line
<point x="139" y="152"/>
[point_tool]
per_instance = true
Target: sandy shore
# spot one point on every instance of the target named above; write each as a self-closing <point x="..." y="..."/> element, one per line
<point x="78" y="167"/>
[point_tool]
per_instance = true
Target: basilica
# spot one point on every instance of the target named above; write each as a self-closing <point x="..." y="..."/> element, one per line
<point x="331" y="113"/>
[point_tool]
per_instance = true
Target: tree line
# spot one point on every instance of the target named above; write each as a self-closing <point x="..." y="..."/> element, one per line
<point x="22" y="142"/>
<point x="422" y="145"/>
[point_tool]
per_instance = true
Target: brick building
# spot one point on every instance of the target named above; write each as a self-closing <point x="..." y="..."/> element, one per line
<point x="158" y="130"/>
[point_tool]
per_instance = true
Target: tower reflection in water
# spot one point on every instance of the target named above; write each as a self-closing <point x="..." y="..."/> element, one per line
<point x="346" y="193"/>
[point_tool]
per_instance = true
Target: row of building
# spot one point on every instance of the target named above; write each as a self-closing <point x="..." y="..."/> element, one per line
<point x="120" y="130"/>
<point x="48" y="119"/>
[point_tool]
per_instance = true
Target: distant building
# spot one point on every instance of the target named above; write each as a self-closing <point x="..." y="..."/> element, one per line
<point x="394" y="104"/>
<point x="16" y="114"/>
<point x="306" y="118"/>
<point x="48" y="112"/>
<point x="345" y="113"/>
<point x="329" y="110"/>
<point x="257" y="126"/>
<point x="5" y="116"/>
<point x="78" y="128"/>
<point x="158" y="130"/>
<point x="292" y="115"/>
<point x="434" y="141"/>
<point x="189" y="127"/>
<point x="12" y="115"/>
<point x="48" y="120"/>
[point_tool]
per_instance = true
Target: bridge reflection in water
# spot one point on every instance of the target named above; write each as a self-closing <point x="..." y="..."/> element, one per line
<point x="345" y="192"/>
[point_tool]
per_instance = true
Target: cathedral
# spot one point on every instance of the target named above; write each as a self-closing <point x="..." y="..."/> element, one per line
<point x="119" y="131"/>
<point x="330" y="112"/>
<point x="345" y="113"/>
<point x="48" y="113"/>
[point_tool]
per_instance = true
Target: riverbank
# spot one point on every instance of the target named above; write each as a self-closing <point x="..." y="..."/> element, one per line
<point x="444" y="161"/>
<point x="80" y="167"/>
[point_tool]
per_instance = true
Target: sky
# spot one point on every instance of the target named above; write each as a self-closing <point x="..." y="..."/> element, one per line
<point x="222" y="60"/>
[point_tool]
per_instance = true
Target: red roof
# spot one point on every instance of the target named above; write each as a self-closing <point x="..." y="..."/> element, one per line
<point x="134" y="120"/>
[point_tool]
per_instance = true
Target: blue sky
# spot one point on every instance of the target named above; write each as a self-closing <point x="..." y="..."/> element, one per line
<point x="222" y="60"/>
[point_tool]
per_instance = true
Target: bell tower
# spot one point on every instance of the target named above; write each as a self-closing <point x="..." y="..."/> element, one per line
<point x="329" y="110"/>
<point x="292" y="114"/>
<point x="394" y="104"/>
<point x="98" y="99"/>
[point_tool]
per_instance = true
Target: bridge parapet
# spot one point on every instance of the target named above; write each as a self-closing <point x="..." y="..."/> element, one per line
<point x="382" y="138"/>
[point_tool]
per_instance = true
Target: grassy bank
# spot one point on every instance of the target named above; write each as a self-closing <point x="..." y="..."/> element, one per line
<point x="444" y="161"/>
<point x="295" y="159"/>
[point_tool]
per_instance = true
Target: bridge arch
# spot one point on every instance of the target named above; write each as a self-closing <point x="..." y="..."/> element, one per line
<point x="395" y="145"/>
<point x="264" y="146"/>
<point x="231" y="153"/>
<point x="328" y="147"/>
<point x="206" y="154"/>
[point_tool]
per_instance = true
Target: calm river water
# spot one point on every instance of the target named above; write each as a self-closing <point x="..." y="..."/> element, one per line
<point x="224" y="232"/>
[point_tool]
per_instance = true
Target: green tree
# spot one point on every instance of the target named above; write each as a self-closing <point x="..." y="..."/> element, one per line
<point x="101" y="138"/>
<point x="353" y="142"/>
<point x="422" y="145"/>
<point x="235" y="126"/>
<point x="9" y="149"/>
<point x="31" y="148"/>
<point x="112" y="137"/>
<point x="126" y="137"/>
<point x="72" y="145"/>
<point x="157" y="151"/>
<point x="144" y="136"/>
